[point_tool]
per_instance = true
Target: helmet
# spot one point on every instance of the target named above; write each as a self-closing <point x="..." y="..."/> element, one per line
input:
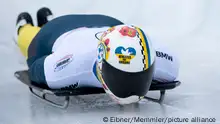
<point x="125" y="63"/>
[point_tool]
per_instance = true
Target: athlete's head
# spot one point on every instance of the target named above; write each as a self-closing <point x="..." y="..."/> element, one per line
<point x="125" y="63"/>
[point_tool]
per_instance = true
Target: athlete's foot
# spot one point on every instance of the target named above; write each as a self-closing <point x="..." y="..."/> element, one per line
<point x="44" y="15"/>
<point x="22" y="19"/>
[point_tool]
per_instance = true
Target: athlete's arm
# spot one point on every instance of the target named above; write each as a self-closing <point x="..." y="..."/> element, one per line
<point x="166" y="66"/>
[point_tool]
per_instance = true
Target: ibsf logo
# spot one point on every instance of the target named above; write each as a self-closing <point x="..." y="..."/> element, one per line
<point x="63" y="62"/>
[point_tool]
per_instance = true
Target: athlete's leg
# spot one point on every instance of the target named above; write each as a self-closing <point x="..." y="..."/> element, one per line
<point x="25" y="36"/>
<point x="24" y="32"/>
<point x="27" y="31"/>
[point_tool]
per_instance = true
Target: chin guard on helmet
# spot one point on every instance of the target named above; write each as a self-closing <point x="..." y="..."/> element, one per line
<point x="127" y="87"/>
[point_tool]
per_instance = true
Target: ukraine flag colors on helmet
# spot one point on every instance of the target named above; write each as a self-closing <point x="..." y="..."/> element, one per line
<point x="146" y="50"/>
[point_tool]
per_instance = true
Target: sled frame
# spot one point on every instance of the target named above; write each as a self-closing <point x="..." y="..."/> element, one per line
<point x="168" y="86"/>
<point x="23" y="77"/>
<point x="42" y="97"/>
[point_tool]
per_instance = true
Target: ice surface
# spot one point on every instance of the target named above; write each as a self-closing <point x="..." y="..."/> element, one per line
<point x="189" y="27"/>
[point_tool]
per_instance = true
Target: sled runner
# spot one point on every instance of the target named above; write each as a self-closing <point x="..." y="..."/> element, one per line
<point x="162" y="87"/>
<point x="66" y="93"/>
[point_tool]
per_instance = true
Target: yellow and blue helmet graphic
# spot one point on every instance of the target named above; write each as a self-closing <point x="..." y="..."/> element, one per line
<point x="125" y="55"/>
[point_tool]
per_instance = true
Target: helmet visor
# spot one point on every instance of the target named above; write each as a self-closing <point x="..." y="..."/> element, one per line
<point x="124" y="84"/>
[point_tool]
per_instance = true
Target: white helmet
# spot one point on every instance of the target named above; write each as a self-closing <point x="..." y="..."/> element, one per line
<point x="125" y="63"/>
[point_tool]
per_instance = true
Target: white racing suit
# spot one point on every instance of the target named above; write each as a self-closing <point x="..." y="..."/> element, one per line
<point x="73" y="54"/>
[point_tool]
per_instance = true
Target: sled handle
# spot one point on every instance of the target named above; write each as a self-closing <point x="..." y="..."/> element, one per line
<point x="43" y="97"/>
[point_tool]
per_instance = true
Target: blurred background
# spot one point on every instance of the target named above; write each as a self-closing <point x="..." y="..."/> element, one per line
<point x="190" y="28"/>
